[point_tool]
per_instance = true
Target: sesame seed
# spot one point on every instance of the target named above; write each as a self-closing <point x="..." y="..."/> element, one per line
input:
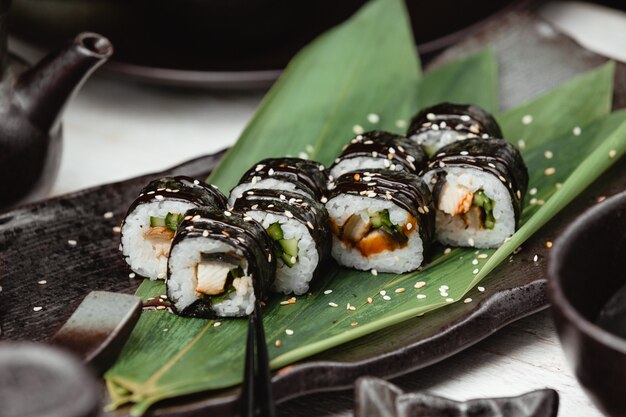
<point x="447" y="251"/>
<point x="293" y="259"/>
<point x="358" y="129"/>
<point x="443" y="293"/>
<point x="328" y="292"/>
<point x="430" y="116"/>
<point x="373" y="118"/>
<point x="532" y="191"/>
<point x="409" y="226"/>
<point x="38" y="308"/>
<point x="165" y="330"/>
<point x="303" y="155"/>
<point x="399" y="290"/>
<point x="284" y="303"/>
<point x="475" y="271"/>
<point x="383" y="292"/>
<point x="475" y="262"/>
<point x="467" y="300"/>
<point x="549" y="171"/>
<point x="217" y="324"/>
<point x="386" y="298"/>
<point x="310" y="225"/>
<point x="548" y="154"/>
<point x="548" y="244"/>
<point x="71" y="242"/>
<point x="161" y="275"/>
<point x="333" y="304"/>
<point x="227" y="213"/>
<point x="577" y="131"/>
<point x="159" y="197"/>
<point x="521" y="144"/>
<point x="481" y="289"/>
<point x="420" y="210"/>
<point x="400" y="123"/>
<point x="527" y="119"/>
<point x="370" y="300"/>
<point x="277" y="343"/>
<point x="132" y="275"/>
<point x="541" y="202"/>
<point x="108" y="215"/>
<point x="449" y="300"/>
<point x="421" y="296"/>
<point x="419" y="284"/>
<point x="289" y="332"/>
<point x="482" y="256"/>
<point x="354" y="324"/>
<point x="600" y="199"/>
<point x="196" y="182"/>
<point x="160" y="308"/>
<point x="205" y="233"/>
<point x="247" y="219"/>
<point x="444" y="287"/>
<point x="612" y="153"/>
<point x="116" y="229"/>
<point x="310" y="149"/>
<point x="470" y="241"/>
<point x="558" y="185"/>
<point x="42" y="282"/>
<point x="374" y="272"/>
<point x="535" y="258"/>
<point x="352" y="308"/>
<point x="292" y="300"/>
<point x="533" y="201"/>
<point x="288" y="214"/>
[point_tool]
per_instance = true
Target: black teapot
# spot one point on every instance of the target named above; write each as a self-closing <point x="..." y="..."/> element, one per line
<point x="31" y="102"/>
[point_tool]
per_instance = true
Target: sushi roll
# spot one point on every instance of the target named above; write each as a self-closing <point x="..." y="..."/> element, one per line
<point x="380" y="219"/>
<point x="478" y="186"/>
<point x="380" y="150"/>
<point x="290" y="174"/>
<point x="299" y="227"/>
<point x="445" y="123"/>
<point x="152" y="220"/>
<point x="219" y="265"/>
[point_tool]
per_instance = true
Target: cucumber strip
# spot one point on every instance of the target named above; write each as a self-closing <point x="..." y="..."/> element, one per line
<point x="289" y="246"/>
<point x="172" y="220"/>
<point x="157" y="221"/>
<point x="288" y="259"/>
<point x="275" y="231"/>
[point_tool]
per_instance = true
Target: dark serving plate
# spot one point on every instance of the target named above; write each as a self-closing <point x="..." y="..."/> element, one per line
<point x="34" y="246"/>
<point x="235" y="44"/>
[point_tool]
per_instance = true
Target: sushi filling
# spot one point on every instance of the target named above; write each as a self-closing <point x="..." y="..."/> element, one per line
<point x="474" y="208"/>
<point x="163" y="227"/>
<point x="285" y="249"/>
<point x="218" y="276"/>
<point x="373" y="232"/>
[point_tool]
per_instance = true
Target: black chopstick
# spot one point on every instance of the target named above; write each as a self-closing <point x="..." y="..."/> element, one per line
<point x="256" y="393"/>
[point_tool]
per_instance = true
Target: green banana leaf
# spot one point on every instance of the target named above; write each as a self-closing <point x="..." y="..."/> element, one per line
<point x="368" y="65"/>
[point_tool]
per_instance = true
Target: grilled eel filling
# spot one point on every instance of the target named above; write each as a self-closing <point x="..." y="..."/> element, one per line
<point x="474" y="208"/>
<point x="220" y="274"/>
<point x="373" y="232"/>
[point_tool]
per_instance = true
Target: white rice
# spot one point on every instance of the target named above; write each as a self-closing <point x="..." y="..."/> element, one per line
<point x="269" y="183"/>
<point x="451" y="230"/>
<point x="295" y="279"/>
<point x="144" y="256"/>
<point x="401" y="260"/>
<point x="433" y="140"/>
<point x="363" y="162"/>
<point x="182" y="280"/>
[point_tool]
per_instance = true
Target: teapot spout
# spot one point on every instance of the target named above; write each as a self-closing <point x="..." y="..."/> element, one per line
<point x="43" y="90"/>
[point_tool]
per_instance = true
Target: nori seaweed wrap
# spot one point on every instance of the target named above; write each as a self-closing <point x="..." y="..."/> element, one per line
<point x="220" y="263"/>
<point x="478" y="186"/>
<point x="374" y="215"/>
<point x="152" y="219"/>
<point x="445" y="123"/>
<point x="380" y="150"/>
<point x="292" y="174"/>
<point x="301" y="232"/>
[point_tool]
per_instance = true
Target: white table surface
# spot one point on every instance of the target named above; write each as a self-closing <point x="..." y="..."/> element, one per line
<point x="116" y="130"/>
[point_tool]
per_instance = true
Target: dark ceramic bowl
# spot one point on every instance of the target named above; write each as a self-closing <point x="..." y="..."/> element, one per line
<point x="587" y="288"/>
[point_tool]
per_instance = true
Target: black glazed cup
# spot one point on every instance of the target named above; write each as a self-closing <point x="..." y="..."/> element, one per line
<point x="587" y="269"/>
